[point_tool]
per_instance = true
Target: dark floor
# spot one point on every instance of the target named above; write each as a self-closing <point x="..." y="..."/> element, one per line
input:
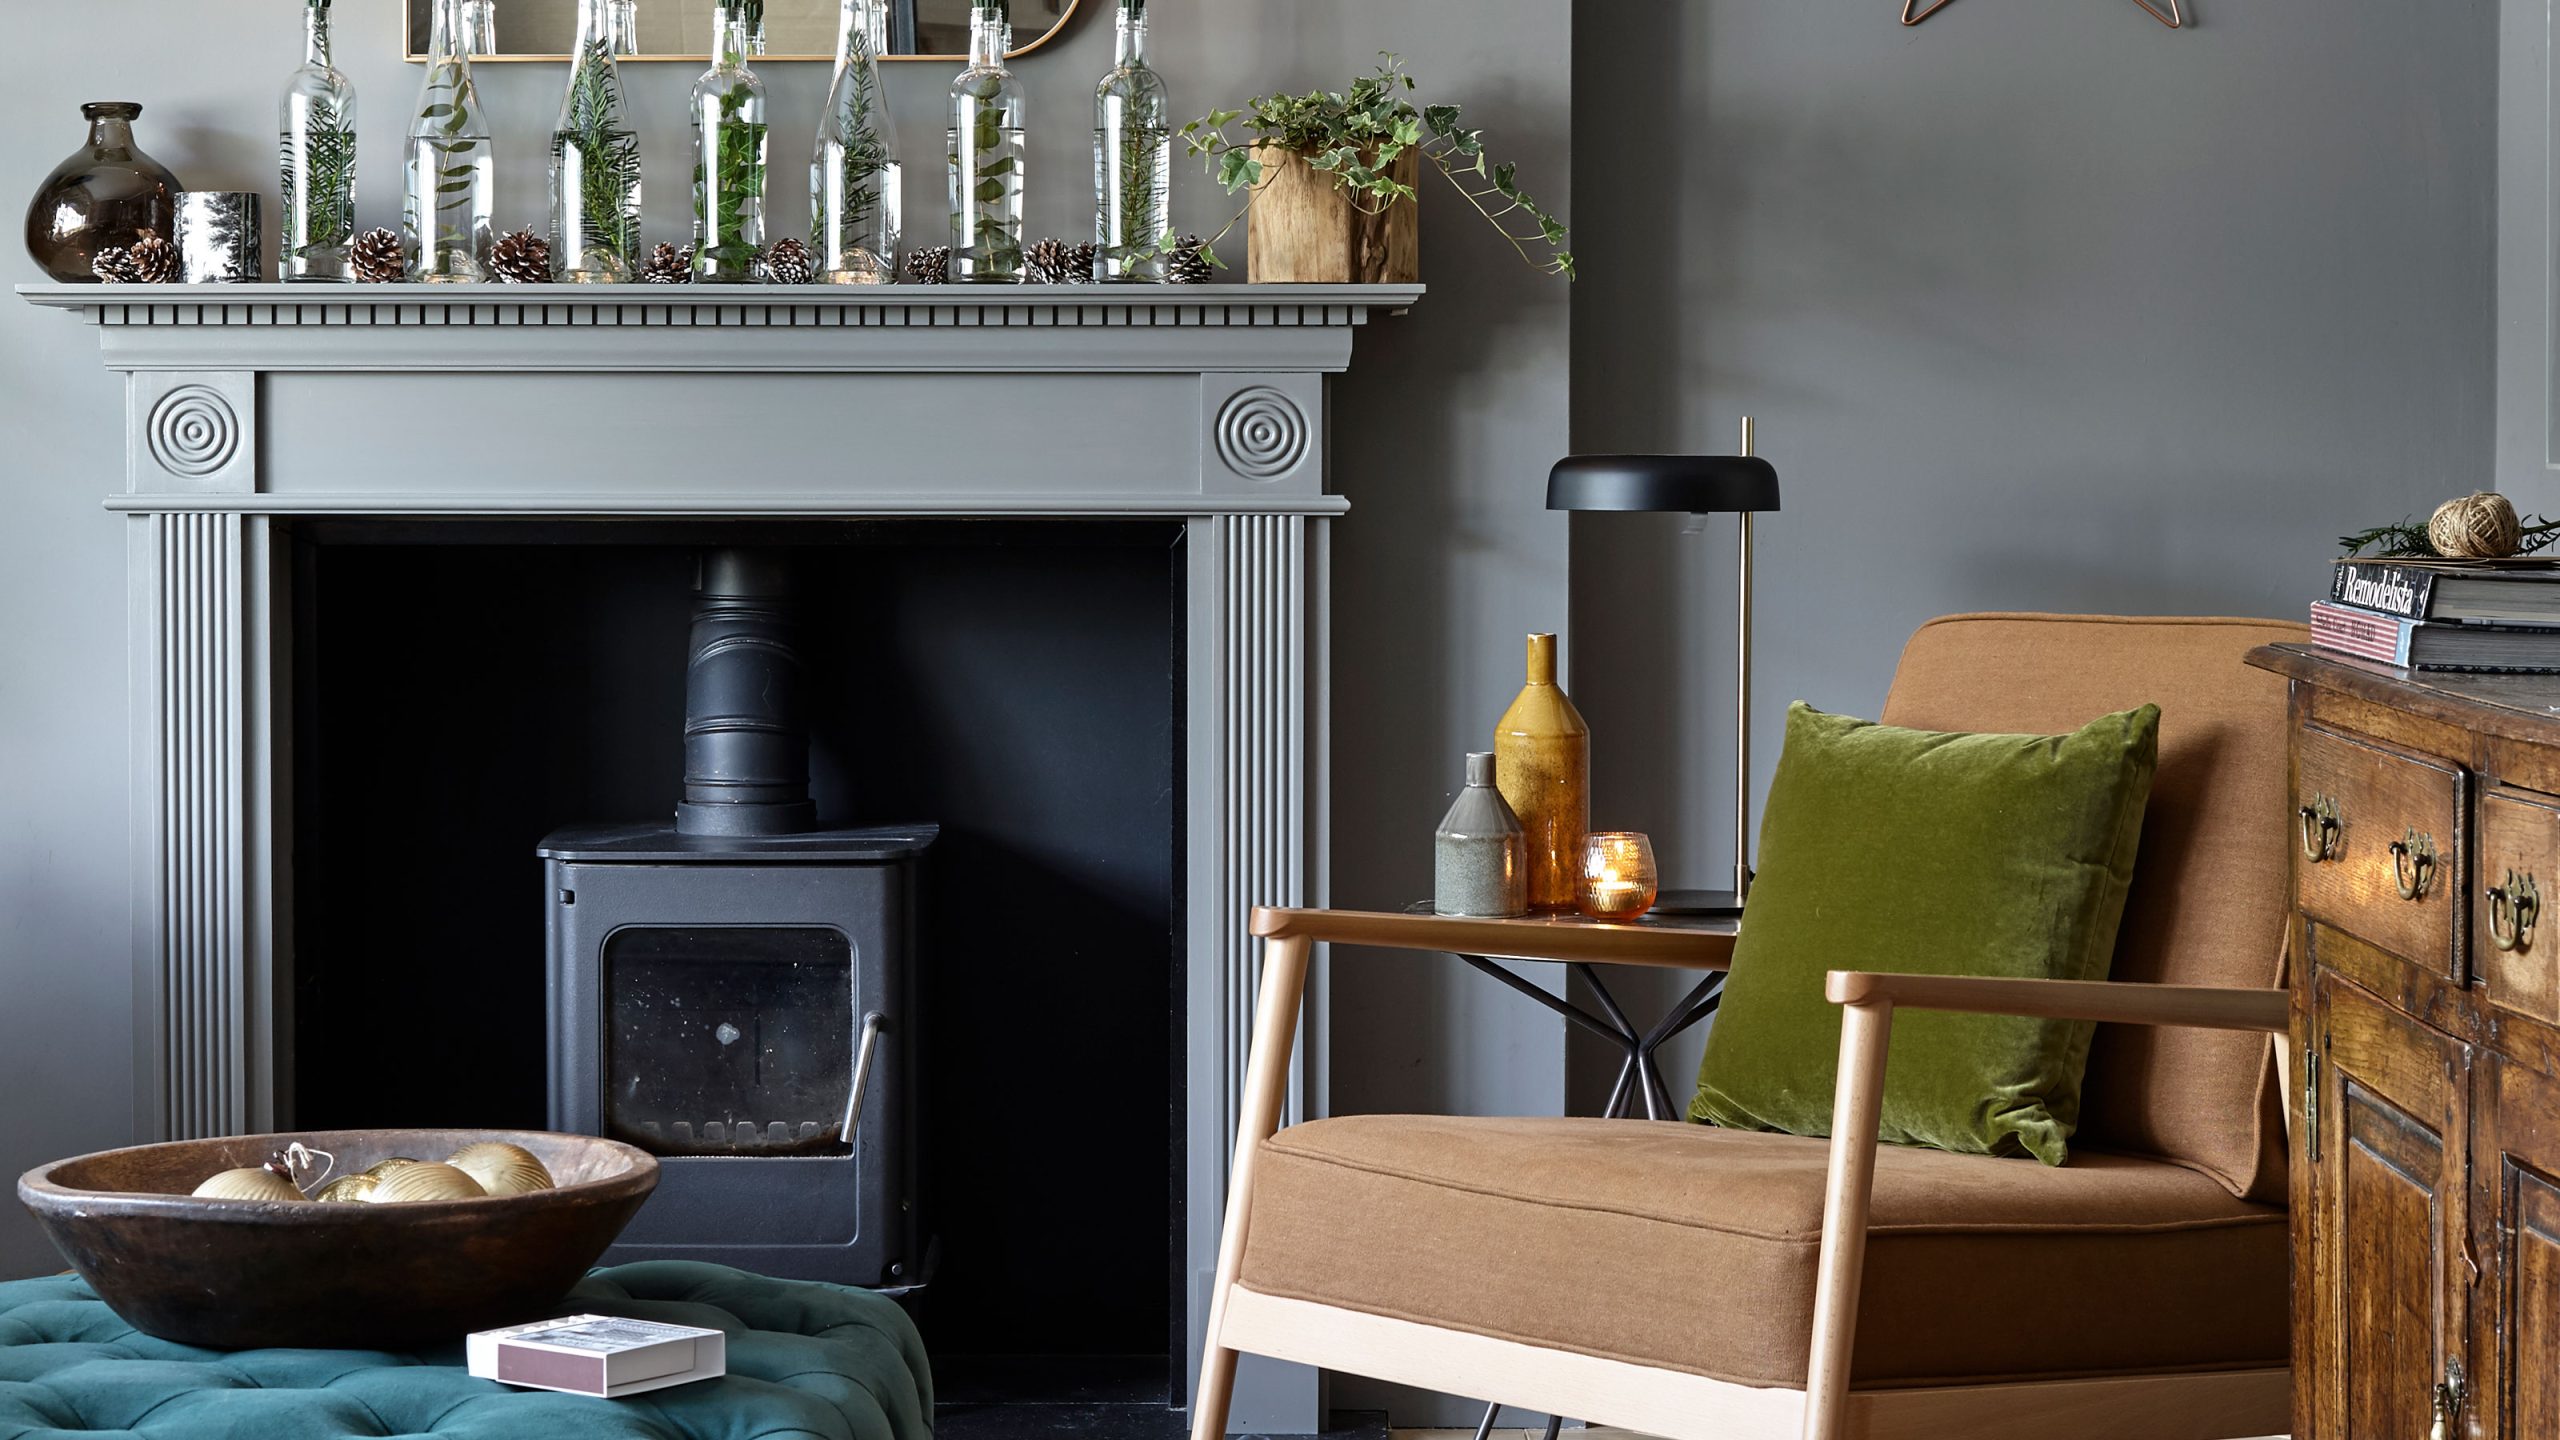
<point x="1121" y="1397"/>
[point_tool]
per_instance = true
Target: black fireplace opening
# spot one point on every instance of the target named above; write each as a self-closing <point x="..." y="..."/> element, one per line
<point x="461" y="690"/>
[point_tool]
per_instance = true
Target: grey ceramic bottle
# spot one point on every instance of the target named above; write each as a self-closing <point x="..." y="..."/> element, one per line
<point x="1480" y="857"/>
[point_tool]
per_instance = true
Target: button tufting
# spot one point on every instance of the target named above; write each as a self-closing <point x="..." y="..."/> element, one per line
<point x="79" y="1370"/>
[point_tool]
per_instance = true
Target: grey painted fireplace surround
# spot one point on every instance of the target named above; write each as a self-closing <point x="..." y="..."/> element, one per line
<point x="250" y="406"/>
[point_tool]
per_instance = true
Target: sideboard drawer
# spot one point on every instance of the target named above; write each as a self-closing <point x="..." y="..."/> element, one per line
<point x="2513" y="949"/>
<point x="2379" y="846"/>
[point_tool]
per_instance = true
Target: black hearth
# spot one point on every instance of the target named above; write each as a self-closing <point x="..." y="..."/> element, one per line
<point x="733" y="992"/>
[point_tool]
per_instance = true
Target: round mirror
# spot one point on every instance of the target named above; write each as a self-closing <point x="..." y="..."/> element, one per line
<point x="681" y="29"/>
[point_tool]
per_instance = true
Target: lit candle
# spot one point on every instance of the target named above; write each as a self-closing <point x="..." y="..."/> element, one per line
<point x="1618" y="880"/>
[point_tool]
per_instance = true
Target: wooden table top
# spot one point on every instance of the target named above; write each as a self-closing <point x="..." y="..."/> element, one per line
<point x="2520" y="707"/>
<point x="1679" y="942"/>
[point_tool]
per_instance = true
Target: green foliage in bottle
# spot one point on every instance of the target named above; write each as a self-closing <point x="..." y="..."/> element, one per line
<point x="607" y="152"/>
<point x="330" y="145"/>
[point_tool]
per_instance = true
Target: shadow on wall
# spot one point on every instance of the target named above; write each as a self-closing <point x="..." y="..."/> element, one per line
<point x="1636" y="650"/>
<point x="1443" y="431"/>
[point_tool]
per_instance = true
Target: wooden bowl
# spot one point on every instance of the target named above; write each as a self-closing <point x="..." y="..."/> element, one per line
<point x="246" y="1274"/>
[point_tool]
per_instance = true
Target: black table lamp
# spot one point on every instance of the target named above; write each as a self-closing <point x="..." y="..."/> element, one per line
<point x="1744" y="485"/>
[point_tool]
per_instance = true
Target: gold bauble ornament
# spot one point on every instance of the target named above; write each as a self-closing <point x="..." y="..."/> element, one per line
<point x="2480" y="526"/>
<point x="501" y="1168"/>
<point x="412" y="1183"/>
<point x="348" y="1189"/>
<point x="380" y="1168"/>
<point x="253" y="1183"/>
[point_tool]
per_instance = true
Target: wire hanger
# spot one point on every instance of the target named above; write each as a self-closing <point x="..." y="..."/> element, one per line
<point x="2175" y="18"/>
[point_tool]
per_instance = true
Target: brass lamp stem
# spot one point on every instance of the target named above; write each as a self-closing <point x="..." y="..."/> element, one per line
<point x="1742" y="703"/>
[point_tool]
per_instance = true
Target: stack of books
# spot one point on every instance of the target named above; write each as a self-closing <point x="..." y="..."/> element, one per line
<point x="2491" y="617"/>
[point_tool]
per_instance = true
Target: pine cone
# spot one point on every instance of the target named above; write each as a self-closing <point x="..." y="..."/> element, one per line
<point x="523" y="258"/>
<point x="929" y="266"/>
<point x="1187" y="263"/>
<point x="154" y="260"/>
<point x="379" y="258"/>
<point x="1080" y="259"/>
<point x="113" y="265"/>
<point x="669" y="266"/>
<point x="789" y="262"/>
<point x="1045" y="263"/>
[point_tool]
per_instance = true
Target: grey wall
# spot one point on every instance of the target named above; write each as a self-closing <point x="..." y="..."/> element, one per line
<point x="2041" y="306"/>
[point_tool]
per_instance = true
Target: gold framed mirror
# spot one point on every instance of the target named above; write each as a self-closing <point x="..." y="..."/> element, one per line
<point x="680" y="30"/>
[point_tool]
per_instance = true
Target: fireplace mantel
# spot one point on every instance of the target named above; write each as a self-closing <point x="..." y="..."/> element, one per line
<point x="251" y="408"/>
<point x="890" y="400"/>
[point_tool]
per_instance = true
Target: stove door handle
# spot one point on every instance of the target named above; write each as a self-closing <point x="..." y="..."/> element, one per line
<point x="872" y="1024"/>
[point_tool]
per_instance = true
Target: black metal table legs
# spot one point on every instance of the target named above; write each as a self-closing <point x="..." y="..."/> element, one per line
<point x="1494" y="1412"/>
<point x="1639" y="1079"/>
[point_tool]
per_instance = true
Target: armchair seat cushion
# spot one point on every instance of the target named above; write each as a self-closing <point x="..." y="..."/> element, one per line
<point x="1688" y="1248"/>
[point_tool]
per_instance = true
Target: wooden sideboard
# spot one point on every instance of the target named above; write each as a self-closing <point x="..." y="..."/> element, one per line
<point x="2426" y="1051"/>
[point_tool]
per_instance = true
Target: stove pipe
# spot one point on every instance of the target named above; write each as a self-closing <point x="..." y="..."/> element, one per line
<point x="746" y="745"/>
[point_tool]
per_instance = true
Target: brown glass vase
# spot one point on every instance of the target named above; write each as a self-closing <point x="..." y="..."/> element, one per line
<point x="1542" y="765"/>
<point x="106" y="194"/>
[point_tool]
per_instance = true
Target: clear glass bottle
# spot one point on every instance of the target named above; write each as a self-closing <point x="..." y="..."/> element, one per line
<point x="316" y="154"/>
<point x="452" y="176"/>
<point x="985" y="156"/>
<point x="480" y="27"/>
<point x="1132" y="158"/>
<point x="595" y="163"/>
<point x="755" y="27"/>
<point x="626" y="28"/>
<point x="728" y="155"/>
<point x="853" y="178"/>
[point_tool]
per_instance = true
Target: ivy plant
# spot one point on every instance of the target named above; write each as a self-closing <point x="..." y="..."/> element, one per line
<point x="1357" y="135"/>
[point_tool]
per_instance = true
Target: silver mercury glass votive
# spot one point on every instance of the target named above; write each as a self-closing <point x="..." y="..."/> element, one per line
<point x="218" y="237"/>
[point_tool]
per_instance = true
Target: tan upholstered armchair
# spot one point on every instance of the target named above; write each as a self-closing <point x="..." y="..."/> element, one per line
<point x="1730" y="1285"/>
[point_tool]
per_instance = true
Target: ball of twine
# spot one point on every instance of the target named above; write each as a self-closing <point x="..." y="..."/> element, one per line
<point x="2480" y="526"/>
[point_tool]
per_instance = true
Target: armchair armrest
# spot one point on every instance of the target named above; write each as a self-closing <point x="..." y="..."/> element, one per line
<point x="1569" y="940"/>
<point x="1866" y="1031"/>
<point x="2120" y="1001"/>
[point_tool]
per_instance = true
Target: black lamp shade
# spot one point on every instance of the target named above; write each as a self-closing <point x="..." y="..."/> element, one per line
<point x="1695" y="484"/>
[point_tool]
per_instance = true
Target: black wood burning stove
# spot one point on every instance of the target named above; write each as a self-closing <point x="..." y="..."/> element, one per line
<point x="734" y="992"/>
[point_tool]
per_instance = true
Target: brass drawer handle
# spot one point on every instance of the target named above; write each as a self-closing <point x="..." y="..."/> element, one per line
<point x="2320" y="826"/>
<point x="2413" y="864"/>
<point x="2448" y="1398"/>
<point x="2512" y="908"/>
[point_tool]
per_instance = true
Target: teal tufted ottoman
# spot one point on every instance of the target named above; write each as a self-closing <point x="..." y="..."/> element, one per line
<point x="805" y="1360"/>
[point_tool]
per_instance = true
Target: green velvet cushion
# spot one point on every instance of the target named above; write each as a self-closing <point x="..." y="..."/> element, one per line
<point x="1937" y="854"/>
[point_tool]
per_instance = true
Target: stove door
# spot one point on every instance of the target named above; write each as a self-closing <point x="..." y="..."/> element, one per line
<point x="713" y="1015"/>
<point x="728" y="1039"/>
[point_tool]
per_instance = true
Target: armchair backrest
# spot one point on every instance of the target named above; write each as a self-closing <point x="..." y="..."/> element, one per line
<point x="2208" y="905"/>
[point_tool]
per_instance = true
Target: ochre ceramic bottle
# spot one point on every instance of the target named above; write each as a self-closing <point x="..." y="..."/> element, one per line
<point x="1542" y="765"/>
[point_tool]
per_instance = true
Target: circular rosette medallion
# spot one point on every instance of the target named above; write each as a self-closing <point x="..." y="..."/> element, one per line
<point x="1262" y="434"/>
<point x="193" y="432"/>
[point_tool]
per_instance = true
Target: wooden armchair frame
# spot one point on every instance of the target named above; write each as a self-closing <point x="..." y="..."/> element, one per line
<point x="2206" y="1405"/>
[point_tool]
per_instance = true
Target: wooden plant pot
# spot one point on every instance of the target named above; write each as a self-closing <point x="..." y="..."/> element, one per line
<point x="1305" y="230"/>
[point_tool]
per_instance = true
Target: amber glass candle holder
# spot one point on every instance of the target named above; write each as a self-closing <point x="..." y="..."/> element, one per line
<point x="1618" y="880"/>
